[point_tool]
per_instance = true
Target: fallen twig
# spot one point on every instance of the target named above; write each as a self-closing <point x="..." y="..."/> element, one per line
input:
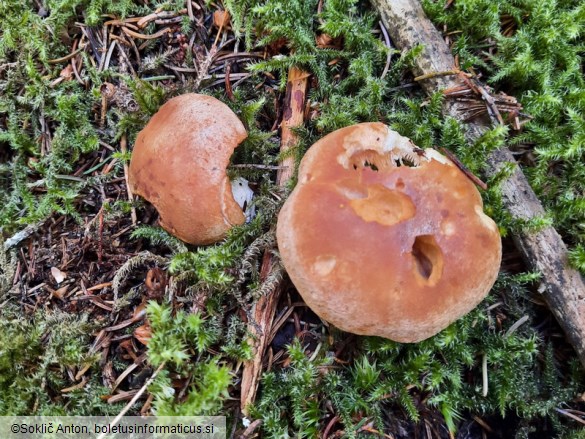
<point x="476" y="180"/>
<point x="15" y="239"/>
<point x="292" y="117"/>
<point x="264" y="309"/>
<point x="153" y="36"/>
<point x="133" y="400"/>
<point x="389" y="46"/>
<point x="248" y="432"/>
<point x="157" y="15"/>
<point x="66" y="57"/>
<point x="570" y="415"/>
<point x="124" y="150"/>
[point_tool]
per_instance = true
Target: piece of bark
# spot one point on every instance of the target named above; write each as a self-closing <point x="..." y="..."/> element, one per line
<point x="263" y="310"/>
<point x="544" y="251"/>
<point x="292" y="117"/>
<point x="262" y="316"/>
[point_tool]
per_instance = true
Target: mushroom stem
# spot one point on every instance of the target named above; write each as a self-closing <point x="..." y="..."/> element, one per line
<point x="264" y="309"/>
<point x="243" y="196"/>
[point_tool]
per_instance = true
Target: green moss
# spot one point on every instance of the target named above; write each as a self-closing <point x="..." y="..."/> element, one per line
<point x="445" y="371"/>
<point x="34" y="354"/>
<point x="30" y="103"/>
<point x="181" y="341"/>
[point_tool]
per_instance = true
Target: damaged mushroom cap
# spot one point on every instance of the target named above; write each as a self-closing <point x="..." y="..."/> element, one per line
<point x="179" y="165"/>
<point x="382" y="238"/>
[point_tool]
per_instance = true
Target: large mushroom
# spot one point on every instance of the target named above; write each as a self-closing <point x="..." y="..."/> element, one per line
<point x="179" y="165"/>
<point x="383" y="238"/>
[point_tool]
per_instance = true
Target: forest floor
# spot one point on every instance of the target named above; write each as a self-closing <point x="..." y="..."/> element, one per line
<point x="95" y="296"/>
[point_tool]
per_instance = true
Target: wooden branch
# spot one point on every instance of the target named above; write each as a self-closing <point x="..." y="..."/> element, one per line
<point x="543" y="251"/>
<point x="292" y="117"/>
<point x="263" y="315"/>
<point x="264" y="309"/>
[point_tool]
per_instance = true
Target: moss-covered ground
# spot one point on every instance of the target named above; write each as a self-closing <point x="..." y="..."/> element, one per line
<point x="80" y="78"/>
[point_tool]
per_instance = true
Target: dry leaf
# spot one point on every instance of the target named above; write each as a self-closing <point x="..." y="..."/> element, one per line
<point x="139" y="312"/>
<point x="67" y="73"/>
<point x="143" y="333"/>
<point x="221" y="18"/>
<point x="326" y="41"/>
<point x="60" y="293"/>
<point x="323" y="40"/>
<point x="108" y="90"/>
<point x="155" y="282"/>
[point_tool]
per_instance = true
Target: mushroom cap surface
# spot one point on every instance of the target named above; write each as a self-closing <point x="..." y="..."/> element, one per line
<point x="179" y="165"/>
<point x="381" y="249"/>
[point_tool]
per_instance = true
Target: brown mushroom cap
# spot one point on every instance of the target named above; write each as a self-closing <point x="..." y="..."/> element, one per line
<point x="179" y="164"/>
<point x="381" y="249"/>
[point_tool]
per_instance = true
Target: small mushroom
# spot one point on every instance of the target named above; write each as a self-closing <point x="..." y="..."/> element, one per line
<point x="383" y="238"/>
<point x="179" y="165"/>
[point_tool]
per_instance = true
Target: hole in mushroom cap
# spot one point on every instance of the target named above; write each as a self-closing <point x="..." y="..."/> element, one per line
<point x="384" y="206"/>
<point x="369" y="158"/>
<point x="407" y="160"/>
<point x="372" y="166"/>
<point x="428" y="259"/>
<point x="378" y="161"/>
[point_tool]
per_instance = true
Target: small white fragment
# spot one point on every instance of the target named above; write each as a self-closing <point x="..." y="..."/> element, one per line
<point x="243" y="196"/>
<point x="246" y="422"/>
<point x="58" y="275"/>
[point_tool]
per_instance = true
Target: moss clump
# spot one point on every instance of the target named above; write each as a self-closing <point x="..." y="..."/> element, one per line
<point x="35" y="354"/>
<point x="47" y="123"/>
<point x="175" y="339"/>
